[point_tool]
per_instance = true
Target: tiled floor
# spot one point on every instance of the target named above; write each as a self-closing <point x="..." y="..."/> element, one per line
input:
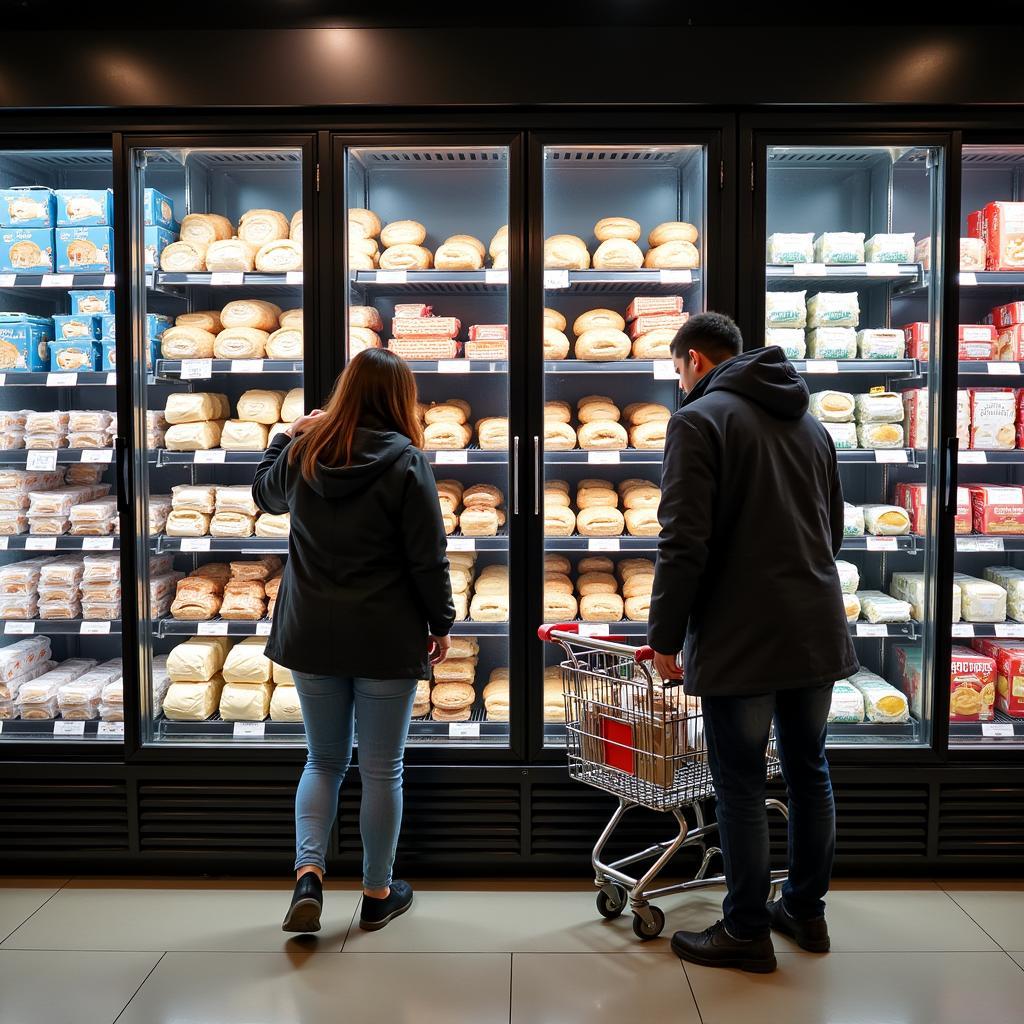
<point x="159" y="951"/>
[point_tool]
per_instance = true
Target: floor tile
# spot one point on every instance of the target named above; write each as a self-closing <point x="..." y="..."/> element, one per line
<point x="865" y="988"/>
<point x="68" y="988"/>
<point x="503" y="922"/>
<point x="597" y="988"/>
<point x="877" y="920"/>
<point x="321" y="988"/>
<point x="178" y="919"/>
<point x="19" y="903"/>
<point x="1001" y="914"/>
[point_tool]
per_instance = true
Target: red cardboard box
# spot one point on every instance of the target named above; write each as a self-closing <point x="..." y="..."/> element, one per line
<point x="1007" y="315"/>
<point x="972" y="685"/>
<point x="1010" y="343"/>
<point x="651" y="304"/>
<point x="977" y="341"/>
<point x="997" y="509"/>
<point x="914" y="498"/>
<point x="976" y="224"/>
<point x="488" y="332"/>
<point x="993" y="419"/>
<point x="1009" y="658"/>
<point x="1004" y="236"/>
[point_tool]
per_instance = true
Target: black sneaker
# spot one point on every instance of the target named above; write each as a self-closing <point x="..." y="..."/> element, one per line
<point x="715" y="947"/>
<point x="307" y="905"/>
<point x="811" y="935"/>
<point x="376" y="913"/>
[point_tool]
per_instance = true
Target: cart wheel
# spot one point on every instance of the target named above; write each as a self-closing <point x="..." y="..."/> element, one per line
<point x="610" y="906"/>
<point x="646" y="932"/>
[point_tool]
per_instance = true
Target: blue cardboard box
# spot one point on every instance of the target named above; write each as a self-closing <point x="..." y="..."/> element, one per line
<point x="74" y="355"/>
<point x="109" y="355"/>
<point x="157" y="209"/>
<point x="83" y="250"/>
<point x="86" y="325"/>
<point x="97" y="301"/>
<point x="31" y="206"/>
<point x="84" y="207"/>
<point x="156" y="324"/>
<point x="24" y="342"/>
<point x="155" y="240"/>
<point x="26" y="250"/>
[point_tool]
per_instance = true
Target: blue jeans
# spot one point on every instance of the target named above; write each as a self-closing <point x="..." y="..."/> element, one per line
<point x="331" y="707"/>
<point x="737" y="736"/>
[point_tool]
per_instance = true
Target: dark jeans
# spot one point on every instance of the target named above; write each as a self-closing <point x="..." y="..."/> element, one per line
<point x="737" y="736"/>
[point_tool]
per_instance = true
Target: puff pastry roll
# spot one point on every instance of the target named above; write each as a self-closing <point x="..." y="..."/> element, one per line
<point x="278" y="257"/>
<point x="292" y="406"/>
<point x="258" y="313"/>
<point x="446" y="435"/>
<point x="240" y="343"/>
<point x="259" y="406"/>
<point x="193" y="701"/>
<point x="295" y="227"/>
<point x="269" y="525"/>
<point x="193" y="437"/>
<point x="205" y="228"/>
<point x="285" y="343"/>
<point x="243" y="436"/>
<point x="186" y="342"/>
<point x="493" y="433"/>
<point x="196" y="406"/>
<point x="232" y="524"/>
<point x="243" y="600"/>
<point x="231" y="254"/>
<point x="187" y="523"/>
<point x="194" y="497"/>
<point x="290" y="318"/>
<point x="206" y="320"/>
<point x="261" y="226"/>
<point x="257" y="569"/>
<point x="192" y="605"/>
<point x="234" y="498"/>
<point x="183" y="258"/>
<point x="406" y="256"/>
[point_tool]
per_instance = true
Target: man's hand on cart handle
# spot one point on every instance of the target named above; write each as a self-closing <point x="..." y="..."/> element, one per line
<point x="438" y="648"/>
<point x="667" y="665"/>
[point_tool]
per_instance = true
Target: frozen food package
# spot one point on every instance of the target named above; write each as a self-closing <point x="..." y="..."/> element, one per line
<point x="99" y="567"/>
<point x="882" y="701"/>
<point x="245" y="702"/>
<point x="880" y="435"/>
<point x="849" y="576"/>
<point x="80" y="698"/>
<point x="284" y="705"/>
<point x="88" y="420"/>
<point x="12" y="523"/>
<point x="58" y="501"/>
<point x="196" y="407"/>
<point x="247" y="663"/>
<point x="785" y="309"/>
<point x="886" y="520"/>
<point x="790" y="247"/>
<point x="159" y="509"/>
<point x="993" y="418"/>
<point x="13" y="419"/>
<point x="234" y="498"/>
<point x="197" y="497"/>
<point x="8" y="710"/>
<point x="11" y="439"/>
<point x="192" y="437"/>
<point x="90" y="439"/>
<point x="980" y="600"/>
<point x="197" y="659"/>
<point x="185" y="523"/>
<point x="160" y="679"/>
<point x="791" y="340"/>
<point x="163" y="585"/>
<point x="879" y="607"/>
<point x="997" y="509"/>
<point x="833" y="309"/>
<point x="915" y="417"/>
<point x="9" y="688"/>
<point x="55" y="421"/>
<point x="972" y="685"/>
<point x="113" y="712"/>
<point x="832" y="406"/>
<point x="50" y="441"/>
<point x="18" y="606"/>
<point x="63" y="571"/>
<point x="909" y="587"/>
<point x="60" y="606"/>
<point x="879" y="407"/>
<point x="113" y="691"/>
<point x="1012" y="581"/>
<point x="192" y="701"/>
<point x="21" y="577"/>
<point x="101" y="611"/>
<point x="897" y="248"/>
<point x="23" y="655"/>
<point x="95" y="511"/>
<point x="881" y="343"/>
<point x="26" y="480"/>
<point x="232" y="524"/>
<point x="972" y="254"/>
<point x="107" y="590"/>
<point x="48" y="526"/>
<point x="963" y="417"/>
<point x="847" y="703"/>
<point x="834" y="247"/>
<point x="1004" y="236"/>
<point x="853" y="520"/>
<point x="851" y="604"/>
<point x="85" y="473"/>
<point x="832" y="343"/>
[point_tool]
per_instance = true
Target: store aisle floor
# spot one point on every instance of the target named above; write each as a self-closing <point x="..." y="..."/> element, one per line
<point x="156" y="951"/>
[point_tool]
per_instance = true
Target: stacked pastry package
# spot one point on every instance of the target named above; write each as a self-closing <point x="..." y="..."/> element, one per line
<point x="38" y="698"/>
<point x="21" y="662"/>
<point x="15" y="487"/>
<point x="243" y="329"/>
<point x="866" y="696"/>
<point x="49" y="511"/>
<point x="653" y="323"/>
<point x="233" y="590"/>
<point x="487" y="341"/>
<point x="416" y="333"/>
<point x="266" y="241"/>
<point x="80" y="698"/>
<point x="670" y="247"/>
<point x="111" y="705"/>
<point x="603" y="591"/>
<point x="476" y="511"/>
<point x="598" y="515"/>
<point x="194" y="670"/>
<point x="451" y="692"/>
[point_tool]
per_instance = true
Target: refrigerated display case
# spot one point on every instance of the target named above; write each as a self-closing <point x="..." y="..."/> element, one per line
<point x="850" y="237"/>
<point x="60" y="582"/>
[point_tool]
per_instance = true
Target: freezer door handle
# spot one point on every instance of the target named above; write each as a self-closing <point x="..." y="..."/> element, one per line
<point x="536" y="475"/>
<point x="515" y="475"/>
<point x="952" y="464"/>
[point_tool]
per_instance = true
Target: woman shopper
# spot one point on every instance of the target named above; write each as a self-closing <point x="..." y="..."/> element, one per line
<point x="364" y="609"/>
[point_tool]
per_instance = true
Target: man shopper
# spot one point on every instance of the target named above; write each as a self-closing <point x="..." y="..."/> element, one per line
<point x="752" y="519"/>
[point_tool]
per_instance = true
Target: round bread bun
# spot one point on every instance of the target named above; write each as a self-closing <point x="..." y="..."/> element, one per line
<point x="591" y="481"/>
<point x="479" y="521"/>
<point x="552" y="318"/>
<point x="559" y="607"/>
<point x="458" y="256"/>
<point x="462" y="404"/>
<point x="673" y="256"/>
<point x="500" y="262"/>
<point x="561" y="485"/>
<point x="366" y="246"/>
<point x="450" y="695"/>
<point x="402" y="232"/>
<point x="597" y="583"/>
<point x="469" y="240"/>
<point x="556" y="344"/>
<point x="558" y="437"/>
<point x="499" y="243"/>
<point x="444" y="411"/>
<point x="554" y="496"/>
<point x="561" y="412"/>
<point x="483" y="495"/>
<point x="645" y="412"/>
<point x="602" y="344"/>
<point x="594" y="497"/>
<point x="586" y="399"/>
<point x="366" y="219"/>
<point x="597" y="318"/>
<point x="601" y="608"/>
<point x="360" y="261"/>
<point x="630" y="567"/>
<point x="618" y="254"/>
<point x="638" y="609"/>
<point x="566" y="252"/>
<point x="360" y="338"/>
<point x="672" y="231"/>
<point x="559" y="521"/>
<point x="597" y="410"/>
<point x="600" y="522"/>
<point x="406" y="256"/>
<point x="603" y="435"/>
<point x="557" y="563"/>
<point x="656" y="344"/>
<point x="464" y="647"/>
<point x="556" y="582"/>
<point x="293" y="318"/>
<point x="637" y="584"/>
<point x="617" y="227"/>
<point x="595" y="563"/>
<point x="633" y="481"/>
<point x="648" y="436"/>
<point x="205" y="320"/>
<point x="361" y="316"/>
<point x="647" y="496"/>
<point x="642" y="522"/>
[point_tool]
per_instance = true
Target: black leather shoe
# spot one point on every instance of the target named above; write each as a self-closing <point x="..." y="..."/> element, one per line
<point x="377" y="913"/>
<point x="715" y="947"/>
<point x="307" y="905"/>
<point x="811" y="935"/>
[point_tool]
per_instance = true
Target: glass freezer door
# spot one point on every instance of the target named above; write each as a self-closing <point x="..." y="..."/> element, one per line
<point x="850" y="294"/>
<point x="218" y="328"/>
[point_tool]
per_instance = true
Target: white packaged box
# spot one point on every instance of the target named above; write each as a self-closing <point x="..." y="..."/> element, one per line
<point x="981" y="600"/>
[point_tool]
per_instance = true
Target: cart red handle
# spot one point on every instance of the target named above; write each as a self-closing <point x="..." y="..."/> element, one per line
<point x="644" y="654"/>
<point x="546" y="632"/>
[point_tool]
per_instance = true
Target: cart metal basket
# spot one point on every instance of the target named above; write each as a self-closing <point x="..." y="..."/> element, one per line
<point x="631" y="735"/>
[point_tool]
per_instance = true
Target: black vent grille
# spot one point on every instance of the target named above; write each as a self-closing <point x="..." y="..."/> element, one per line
<point x="981" y="821"/>
<point x="63" y="817"/>
<point x="250" y="819"/>
<point x="447" y="157"/>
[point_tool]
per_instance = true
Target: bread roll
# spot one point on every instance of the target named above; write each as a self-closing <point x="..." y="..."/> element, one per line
<point x="455" y="670"/>
<point x="187" y="343"/>
<point x="556" y="344"/>
<point x="365" y="316"/>
<point x="596" y="482"/>
<point x="559" y="521"/>
<point x="656" y="344"/>
<point x="205" y="228"/>
<point x="208" y="320"/>
<point x="602" y="344"/>
<point x="291" y="318"/>
<point x="595" y="563"/>
<point x="440" y="412"/>
<point x="488" y="607"/>
<point x="278" y="257"/>
<point x="597" y="583"/>
<point x="552" y="318"/>
<point x="596" y="497"/>
<point x="463" y="647"/>
<point x="367" y="220"/>
<point x="257" y="313"/>
<point x="673" y="255"/>
<point x="446" y="435"/>
<point x="500" y="262"/>
<point x="597" y="408"/>
<point x="600" y="522"/>
<point x="566" y="252"/>
<point x="562" y="485"/>
<point x="672" y="231"/>
<point x="232" y="255"/>
<point x="193" y="437"/>
<point x="295" y="227"/>
<point x="482" y="496"/>
<point x="638" y="609"/>
<point x="492" y="433"/>
<point x="457" y="256"/>
<point x="646" y="496"/>
<point x="243" y="436"/>
<point x="403" y="232"/>
<point x="183" y="258"/>
<point x="261" y="226"/>
<point x="553" y="496"/>
<point x="187" y="523"/>
<point x="560" y="412"/>
<point x="559" y="607"/>
<point x="644" y="412"/>
<point x="557" y="563"/>
<point x="479" y="522"/>
<point x="630" y="567"/>
<point x="557" y="582"/>
<point x="617" y="227"/>
<point x="240" y="343"/>
<point x="638" y="583"/>
<point x="194" y="406"/>
<point x="259" y="406"/>
<point x="194" y="604"/>
<point x="360" y="338"/>
<point x="286" y="343"/>
<point x="642" y="522"/>
<point x="292" y="406"/>
<point x="618" y="254"/>
<point x="499" y="243"/>
<point x="648" y="436"/>
<point x="558" y="436"/>
<point x="469" y="240"/>
<point x="601" y="607"/>
<point x="406" y="257"/>
<point x="360" y="261"/>
<point x="597" y="318"/>
<point x="233" y="524"/>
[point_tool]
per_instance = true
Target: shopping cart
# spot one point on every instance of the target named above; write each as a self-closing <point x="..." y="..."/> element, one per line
<point x="643" y="742"/>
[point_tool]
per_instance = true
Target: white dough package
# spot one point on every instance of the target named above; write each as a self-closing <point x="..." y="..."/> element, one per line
<point x="833" y="309"/>
<point x="844" y="435"/>
<point x="898" y="248"/>
<point x="909" y="587"/>
<point x="832" y="406"/>
<point x="981" y="600"/>
<point x="788" y="247"/>
<point x="853" y="520"/>
<point x="881" y="343"/>
<point x="1012" y="581"/>
<point x="879" y="407"/>
<point x="882" y="701"/>
<point x="790" y="339"/>
<point x="842" y="247"/>
<point x="886" y="520"/>
<point x="832" y="343"/>
<point x="878" y="607"/>
<point x="849" y="576"/>
<point x="847" y="703"/>
<point x="785" y="309"/>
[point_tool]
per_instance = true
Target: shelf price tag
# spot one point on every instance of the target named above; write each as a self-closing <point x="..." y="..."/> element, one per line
<point x="495" y="277"/>
<point x="111" y="380"/>
<point x="872" y="629"/>
<point x="110" y="731"/>
<point x="454" y="366"/>
<point x="97" y="455"/>
<point x="44" y="460"/>
<point x="452" y="458"/>
<point x="3" y="543"/>
<point x="7" y="280"/>
<point x="556" y="279"/>
<point x="675" y="276"/>
<point x="882" y="269"/>
<point x="210" y="455"/>
<point x="461" y="544"/>
<point x="967" y="279"/>
<point x="195" y="544"/>
<point x="221" y="277"/>
<point x="890" y="455"/>
<point x="1009" y="629"/>
<point x="94" y="628"/>
<point x="263" y="628"/>
<point x="293" y="277"/>
<point x="603" y="544"/>
<point x="996" y="729"/>
<point x="3" y="379"/>
<point x="1005" y="369"/>
<point x="594" y="629"/>
<point x="249" y="730"/>
<point x="464" y="730"/>
<point x="809" y="270"/>
<point x="972" y="457"/>
<point x="40" y="543"/>
<point x="821" y="366"/>
<point x="61" y="380"/>
<point x="57" y="281"/>
<point x="69" y="729"/>
<point x="214" y="628"/>
<point x="97" y="543"/>
<point x="979" y="543"/>
<point x="881" y="544"/>
<point x="196" y="369"/>
<point x="246" y="365"/>
<point x="12" y="628"/>
<point x="962" y="629"/>
<point x="392" y="276"/>
<point x="664" y="369"/>
<point x="109" y="280"/>
<point x="604" y="458"/>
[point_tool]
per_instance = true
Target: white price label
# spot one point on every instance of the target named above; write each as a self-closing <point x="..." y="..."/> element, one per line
<point x="12" y="628"/>
<point x="890" y="455"/>
<point x="392" y="276"/>
<point x="453" y="366"/>
<point x="95" y="628"/>
<point x="97" y="455"/>
<point x="195" y="544"/>
<point x="210" y="455"/>
<point x="3" y="543"/>
<point x="1009" y="629"/>
<point x="821" y="366"/>
<point x="246" y="365"/>
<point x="881" y="543"/>
<point x="1004" y="369"/>
<point x="979" y="543"/>
<point x="675" y="276"/>
<point x="7" y="280"/>
<point x="452" y="458"/>
<point x="495" y="277"/>
<point x="97" y="543"/>
<point x="604" y="458"/>
<point x="972" y="457"/>
<point x="293" y="277"/>
<point x="110" y="730"/>
<point x="593" y="629"/>
<point x="61" y="380"/>
<point x="248" y="730"/>
<point x="57" y="281"/>
<point x="40" y="543"/>
<point x="664" y="369"/>
<point x="996" y="728"/>
<point x="263" y="628"/>
<point x="603" y="544"/>
<point x="872" y="629"/>
<point x="44" y="460"/>
<point x="809" y="270"/>
<point x="69" y="728"/>
<point x="882" y="269"/>
<point x="461" y="544"/>
<point x="221" y="277"/>
<point x="556" y="279"/>
<point x="464" y="730"/>
<point x="968" y="279"/>
<point x="211" y="629"/>
<point x="196" y="369"/>
<point x="3" y="379"/>
<point x="111" y="380"/>
<point x="108" y="280"/>
<point x="962" y="629"/>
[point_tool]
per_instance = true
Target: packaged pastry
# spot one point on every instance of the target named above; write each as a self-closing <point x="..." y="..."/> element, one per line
<point x="880" y="435"/>
<point x="882" y="701"/>
<point x="832" y="406"/>
<point x="1008" y="314"/>
<point x="886" y="520"/>
<point x="832" y="343"/>
<point x="839" y="247"/>
<point x="11" y="439"/>
<point x="844" y="435"/>
<point x="1009" y="659"/>
<point x="232" y="498"/>
<point x="643" y="305"/>
<point x="19" y="606"/>
<point x="187" y="523"/>
<point x="879" y="607"/>
<point x="49" y="441"/>
<point x="9" y="687"/>
<point x="1012" y="582"/>
<point x="879" y="407"/>
<point x="425" y="327"/>
<point x="877" y="343"/>
<point x="273" y="525"/>
<point x="13" y="522"/>
<point x="243" y="436"/>
<point x="192" y="701"/>
<point x="851" y="605"/>
<point x="890" y="248"/>
<point x="99" y="567"/>
<point x="849" y="576"/>
<point x="972" y="685"/>
<point x="910" y="587"/>
<point x="1004" y="236"/>
<point x="914" y="498"/>
<point x="981" y="600"/>
<point x="196" y="407"/>
<point x="833" y="309"/>
<point x="190" y="437"/>
<point x="993" y="418"/>
<point x="23" y="655"/>
<point x="240" y="343"/>
<point x="785" y="309"/>
<point x="789" y="247"/>
<point x="791" y="340"/>
<point x="44" y="422"/>
<point x="847" y="703"/>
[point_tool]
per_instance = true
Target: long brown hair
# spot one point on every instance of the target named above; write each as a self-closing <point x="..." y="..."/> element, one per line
<point x="377" y="384"/>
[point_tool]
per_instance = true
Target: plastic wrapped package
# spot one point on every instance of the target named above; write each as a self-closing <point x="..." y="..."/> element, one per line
<point x="886" y="520"/>
<point x="159" y="510"/>
<point x="101" y="611"/>
<point x="853" y="520"/>
<point x="13" y="501"/>
<point x="46" y="442"/>
<point x="284" y="705"/>
<point x="198" y="659"/>
<point x="60" y="607"/>
<point x="52" y="422"/>
<point x="844" y="435"/>
<point x="785" y="309"/>
<point x="878" y="607"/>
<point x="13" y="418"/>
<point x="847" y="703"/>
<point x="849" y="576"/>
<point x="245" y="702"/>
<point x="186" y="523"/>
<point x="8" y="710"/>
<point x="273" y="525"/>
<point x="981" y="600"/>
<point x="9" y="688"/>
<point x="832" y="343"/>
<point x="98" y="510"/>
<point x="882" y="701"/>
<point x="99" y="567"/>
<point x="890" y="248"/>
<point x="90" y="439"/>
<point x="235" y="498"/>
<point x="909" y="587"/>
<point x="879" y="407"/>
<point x="832" y="406"/>
<point x="193" y="701"/>
<point x="881" y="343"/>
<point x="22" y="577"/>
<point x="194" y="497"/>
<point x="59" y="500"/>
<point x="880" y="435"/>
<point x="160" y="678"/>
<point x="91" y="420"/>
<point x="1012" y="581"/>
<point x="851" y="605"/>
<point x="839" y="247"/>
<point x="993" y="418"/>
<point x="18" y="606"/>
<point x="85" y="473"/>
<point x="163" y="586"/>
<point x="26" y="480"/>
<point x="80" y="698"/>
<point x="23" y="655"/>
<point x="791" y="340"/>
<point x="788" y="247"/>
<point x="103" y="590"/>
<point x="11" y="439"/>
<point x="833" y="309"/>
<point x="13" y="523"/>
<point x="48" y="526"/>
